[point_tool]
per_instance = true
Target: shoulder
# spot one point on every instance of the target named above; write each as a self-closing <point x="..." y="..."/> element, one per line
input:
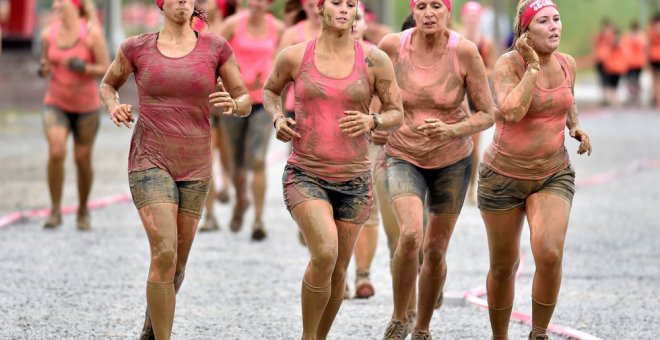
<point x="569" y="60"/>
<point x="95" y="31"/>
<point x="279" y="24"/>
<point x="511" y="58"/>
<point x="231" y="21"/>
<point x="45" y="32"/>
<point x="390" y="43"/>
<point x="466" y="48"/>
<point x="139" y="40"/>
<point x="375" y="55"/>
<point x="293" y="52"/>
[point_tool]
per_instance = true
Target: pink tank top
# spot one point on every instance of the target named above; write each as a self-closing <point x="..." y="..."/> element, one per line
<point x="323" y="149"/>
<point x="429" y="92"/>
<point x="533" y="148"/>
<point x="255" y="55"/>
<point x="290" y="104"/>
<point x="173" y="131"/>
<point x="71" y="91"/>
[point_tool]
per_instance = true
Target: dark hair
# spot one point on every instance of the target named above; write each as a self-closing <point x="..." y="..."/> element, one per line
<point x="199" y="13"/>
<point x="408" y="23"/>
<point x="634" y="25"/>
<point x="656" y="17"/>
<point x="295" y="6"/>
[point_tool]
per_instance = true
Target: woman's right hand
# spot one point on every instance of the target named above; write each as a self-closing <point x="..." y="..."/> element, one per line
<point x="527" y="52"/>
<point x="44" y="69"/>
<point x="123" y="114"/>
<point x="284" y="127"/>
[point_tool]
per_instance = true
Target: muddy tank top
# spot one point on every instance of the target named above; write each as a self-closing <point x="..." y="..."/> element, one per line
<point x="533" y="148"/>
<point x="254" y="55"/>
<point x="429" y="92"/>
<point x="173" y="129"/>
<point x="71" y="91"/>
<point x="290" y="104"/>
<point x="323" y="149"/>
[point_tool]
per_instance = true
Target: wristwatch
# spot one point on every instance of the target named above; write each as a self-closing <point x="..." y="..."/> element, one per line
<point x="378" y="120"/>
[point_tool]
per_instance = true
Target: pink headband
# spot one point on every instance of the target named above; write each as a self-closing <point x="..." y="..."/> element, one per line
<point x="222" y="6"/>
<point x="446" y="2"/>
<point x="533" y="7"/>
<point x="77" y="3"/>
<point x="159" y="3"/>
<point x="472" y="7"/>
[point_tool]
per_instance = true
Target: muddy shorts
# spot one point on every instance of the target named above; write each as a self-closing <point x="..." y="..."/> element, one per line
<point x="249" y="137"/>
<point x="83" y="126"/>
<point x="502" y="193"/>
<point x="446" y="187"/>
<point x="350" y="200"/>
<point x="156" y="185"/>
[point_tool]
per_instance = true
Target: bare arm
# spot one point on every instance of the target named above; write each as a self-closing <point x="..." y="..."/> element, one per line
<point x="228" y="27"/>
<point x="100" y="50"/>
<point x="236" y="98"/>
<point x="387" y="90"/>
<point x="513" y="93"/>
<point x="114" y="78"/>
<point x="476" y="80"/>
<point x="281" y="75"/>
<point x="44" y="68"/>
<point x="572" y="119"/>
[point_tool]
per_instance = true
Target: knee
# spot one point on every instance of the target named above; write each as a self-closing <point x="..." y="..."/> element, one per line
<point x="57" y="153"/>
<point x="434" y="258"/>
<point x="548" y="259"/>
<point x="323" y="261"/>
<point x="83" y="158"/>
<point x="258" y="166"/>
<point x="410" y="241"/>
<point x="164" y="257"/>
<point x="504" y="270"/>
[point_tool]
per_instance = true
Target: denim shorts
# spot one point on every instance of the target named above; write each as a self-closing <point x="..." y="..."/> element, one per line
<point x="497" y="192"/>
<point x="350" y="200"/>
<point x="83" y="126"/>
<point x="446" y="187"/>
<point x="156" y="185"/>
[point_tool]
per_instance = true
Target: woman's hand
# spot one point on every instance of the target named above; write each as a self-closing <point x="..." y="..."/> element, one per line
<point x="123" y="114"/>
<point x="380" y="137"/>
<point x="527" y="52"/>
<point x="582" y="137"/>
<point x="285" y="129"/>
<point x="435" y="128"/>
<point x="222" y="99"/>
<point x="356" y="123"/>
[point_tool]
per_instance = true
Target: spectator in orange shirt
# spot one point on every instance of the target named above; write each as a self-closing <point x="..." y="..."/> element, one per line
<point x="602" y="43"/>
<point x="616" y="66"/>
<point x="635" y="45"/>
<point x="654" y="56"/>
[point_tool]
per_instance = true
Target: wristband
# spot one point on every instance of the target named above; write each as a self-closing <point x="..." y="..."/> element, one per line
<point x="276" y="118"/>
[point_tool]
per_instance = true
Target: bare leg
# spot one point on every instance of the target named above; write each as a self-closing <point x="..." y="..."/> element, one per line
<point x="503" y="230"/>
<point x="547" y="215"/>
<point x="83" y="157"/>
<point x="56" y="134"/>
<point x="315" y="220"/>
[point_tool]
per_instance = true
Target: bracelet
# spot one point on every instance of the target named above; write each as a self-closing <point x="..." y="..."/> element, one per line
<point x="534" y="67"/>
<point x="276" y="118"/>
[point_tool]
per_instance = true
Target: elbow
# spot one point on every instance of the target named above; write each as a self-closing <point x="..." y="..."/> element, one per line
<point x="398" y="120"/>
<point x="512" y="115"/>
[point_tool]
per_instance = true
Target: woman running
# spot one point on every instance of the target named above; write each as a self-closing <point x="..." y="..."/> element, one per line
<point x="176" y="71"/>
<point x="75" y="54"/>
<point x="431" y="154"/>
<point x="526" y="170"/>
<point x="654" y="56"/>
<point x="602" y="48"/>
<point x="327" y="182"/>
<point x="254" y="35"/>
<point x="216" y="11"/>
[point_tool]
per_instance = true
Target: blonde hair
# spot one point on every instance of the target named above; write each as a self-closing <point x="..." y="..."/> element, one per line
<point x="517" y="27"/>
<point x="88" y="11"/>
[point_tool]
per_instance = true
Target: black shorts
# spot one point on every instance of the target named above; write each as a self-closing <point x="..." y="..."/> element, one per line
<point x="83" y="126"/>
<point x="655" y="65"/>
<point x="612" y="80"/>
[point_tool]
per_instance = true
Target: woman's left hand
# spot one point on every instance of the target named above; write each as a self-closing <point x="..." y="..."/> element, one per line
<point x="356" y="123"/>
<point x="223" y="99"/>
<point x="582" y="137"/>
<point x="435" y="128"/>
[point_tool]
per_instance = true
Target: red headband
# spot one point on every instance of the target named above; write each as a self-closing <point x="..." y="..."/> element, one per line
<point x="222" y="7"/>
<point x="77" y="3"/>
<point x="159" y="3"/>
<point x="446" y="2"/>
<point x="533" y="7"/>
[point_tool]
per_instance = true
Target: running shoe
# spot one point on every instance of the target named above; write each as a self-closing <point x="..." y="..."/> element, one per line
<point x="538" y="337"/>
<point x="210" y="224"/>
<point x="258" y="231"/>
<point x="421" y="335"/>
<point x="53" y="221"/>
<point x="363" y="287"/>
<point x="223" y="196"/>
<point x="84" y="222"/>
<point x="396" y="330"/>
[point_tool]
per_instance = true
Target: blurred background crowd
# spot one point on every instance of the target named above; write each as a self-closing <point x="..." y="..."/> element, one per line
<point x="616" y="43"/>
